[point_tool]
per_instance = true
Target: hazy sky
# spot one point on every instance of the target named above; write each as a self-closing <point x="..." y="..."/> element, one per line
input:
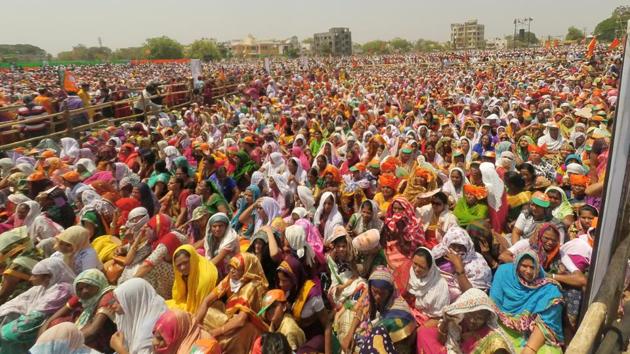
<point x="58" y="25"/>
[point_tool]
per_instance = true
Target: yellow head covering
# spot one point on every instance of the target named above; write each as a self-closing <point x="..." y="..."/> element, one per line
<point x="202" y="278"/>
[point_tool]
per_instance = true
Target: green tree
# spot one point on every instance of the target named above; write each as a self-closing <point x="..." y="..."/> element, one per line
<point x="129" y="53"/>
<point x="204" y="49"/>
<point x="400" y="45"/>
<point x="424" y="45"/>
<point x="533" y="40"/>
<point x="614" y="25"/>
<point x="574" y="34"/>
<point x="163" y="48"/>
<point x="376" y="47"/>
<point x="81" y="52"/>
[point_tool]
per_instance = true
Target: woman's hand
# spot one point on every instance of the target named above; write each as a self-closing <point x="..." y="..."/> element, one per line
<point x="117" y="342"/>
<point x="456" y="260"/>
<point x="346" y="343"/>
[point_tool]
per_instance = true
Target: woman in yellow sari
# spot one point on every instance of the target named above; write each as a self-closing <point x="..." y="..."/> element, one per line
<point x="195" y="278"/>
<point x="235" y="323"/>
<point x="421" y="180"/>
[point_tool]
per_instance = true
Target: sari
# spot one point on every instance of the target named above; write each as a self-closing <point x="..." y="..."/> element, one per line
<point x="142" y="307"/>
<point x="564" y="209"/>
<point x="524" y="305"/>
<point x="497" y="198"/>
<point x="467" y="214"/>
<point x="82" y="256"/>
<point x="429" y="294"/>
<point x="21" y="317"/>
<point x="64" y="338"/>
<point x="404" y="236"/>
<point x="243" y="296"/>
<point x="176" y="329"/>
<point x="202" y="278"/>
<point x="389" y="326"/>
<point x="229" y="241"/>
<point x="333" y="218"/>
<point x="476" y="268"/>
<point x="516" y="204"/>
<point x="487" y="339"/>
<point x="18" y="256"/>
<point x="245" y="167"/>
<point x="359" y="225"/>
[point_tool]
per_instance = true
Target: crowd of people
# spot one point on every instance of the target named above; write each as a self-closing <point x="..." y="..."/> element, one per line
<point x="439" y="203"/>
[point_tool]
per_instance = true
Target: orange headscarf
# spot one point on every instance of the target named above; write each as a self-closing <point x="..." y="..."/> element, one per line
<point x="478" y="192"/>
<point x="579" y="180"/>
<point x="334" y="172"/>
<point x="424" y="173"/>
<point x="388" y="180"/>
<point x="541" y="150"/>
<point x="390" y="164"/>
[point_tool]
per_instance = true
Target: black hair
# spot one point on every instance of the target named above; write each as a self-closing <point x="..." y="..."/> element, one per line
<point x="275" y="343"/>
<point x="442" y="197"/>
<point x="160" y="166"/>
<point x="590" y="208"/>
<point x="147" y="156"/>
<point x="515" y="179"/>
<point x="181" y="253"/>
<point x="528" y="167"/>
<point x="179" y="181"/>
<point x="424" y="253"/>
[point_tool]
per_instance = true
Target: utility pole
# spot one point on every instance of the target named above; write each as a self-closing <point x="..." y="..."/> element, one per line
<point x="514" y="37"/>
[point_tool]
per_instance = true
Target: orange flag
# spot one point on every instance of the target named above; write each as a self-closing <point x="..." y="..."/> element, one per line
<point x="615" y="43"/>
<point x="555" y="43"/>
<point x="68" y="81"/>
<point x="547" y="44"/>
<point x="591" y="47"/>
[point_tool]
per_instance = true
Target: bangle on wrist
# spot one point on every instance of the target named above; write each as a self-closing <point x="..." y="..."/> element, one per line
<point x="530" y="348"/>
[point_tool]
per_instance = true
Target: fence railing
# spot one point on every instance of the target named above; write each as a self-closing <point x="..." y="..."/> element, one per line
<point x="596" y="330"/>
<point x="10" y="133"/>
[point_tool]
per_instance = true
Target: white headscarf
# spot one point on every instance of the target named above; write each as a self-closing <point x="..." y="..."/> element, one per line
<point x="33" y="212"/>
<point x="70" y="149"/>
<point x="271" y="209"/>
<point x="334" y="218"/>
<point x="470" y="301"/>
<point x="87" y="164"/>
<point x="306" y="197"/>
<point x="431" y="291"/>
<point x="450" y="189"/>
<point x="135" y="227"/>
<point x="493" y="184"/>
<point x="296" y="236"/>
<point x="142" y="307"/>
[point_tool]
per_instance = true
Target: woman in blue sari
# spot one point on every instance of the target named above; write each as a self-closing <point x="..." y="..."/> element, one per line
<point x="389" y="325"/>
<point x="530" y="305"/>
<point x="251" y="195"/>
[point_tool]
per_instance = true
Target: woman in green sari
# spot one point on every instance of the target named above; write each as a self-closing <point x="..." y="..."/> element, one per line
<point x="245" y="166"/>
<point x="159" y="178"/>
<point x="17" y="259"/>
<point x="212" y="198"/>
<point x="471" y="207"/>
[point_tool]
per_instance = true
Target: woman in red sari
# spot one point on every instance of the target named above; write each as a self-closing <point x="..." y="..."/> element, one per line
<point x="403" y="235"/>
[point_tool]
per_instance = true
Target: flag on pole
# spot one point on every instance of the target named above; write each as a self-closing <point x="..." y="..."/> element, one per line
<point x="547" y="44"/>
<point x="615" y="43"/>
<point x="591" y="47"/>
<point x="68" y="81"/>
<point x="555" y="43"/>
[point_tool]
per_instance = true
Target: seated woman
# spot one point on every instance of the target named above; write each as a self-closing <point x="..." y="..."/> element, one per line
<point x="151" y="253"/>
<point x="136" y="307"/>
<point x="305" y="302"/>
<point x="346" y="285"/>
<point x="174" y="333"/>
<point x="561" y="209"/>
<point x="462" y="267"/>
<point x="173" y="203"/>
<point x="249" y="196"/>
<point x="389" y="325"/>
<point x="212" y="198"/>
<point x="487" y="243"/>
<point x="195" y="277"/>
<point x="17" y="259"/>
<point x="74" y="248"/>
<point x="388" y="184"/>
<point x="234" y="322"/>
<point x="274" y="312"/>
<point x="530" y="305"/>
<point x="531" y="218"/>
<point x="96" y="213"/>
<point x="65" y="338"/>
<point x="220" y="242"/>
<point x="88" y="310"/>
<point x="402" y="234"/>
<point x="327" y="215"/>
<point x="366" y="219"/>
<point x="517" y="196"/>
<point x="469" y="325"/>
<point x="260" y="213"/>
<point x="259" y="246"/>
<point x="436" y="218"/>
<point x="545" y="243"/>
<point x="21" y="317"/>
<point x="427" y="292"/>
<point x="454" y="187"/>
<point x="369" y="254"/>
<point x="472" y="207"/>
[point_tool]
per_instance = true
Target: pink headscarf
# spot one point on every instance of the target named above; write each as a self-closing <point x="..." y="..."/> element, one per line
<point x="297" y="152"/>
<point x="313" y="238"/>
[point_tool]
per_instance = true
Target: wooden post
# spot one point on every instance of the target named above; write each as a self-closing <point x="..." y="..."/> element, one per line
<point x="612" y="343"/>
<point x="144" y="107"/>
